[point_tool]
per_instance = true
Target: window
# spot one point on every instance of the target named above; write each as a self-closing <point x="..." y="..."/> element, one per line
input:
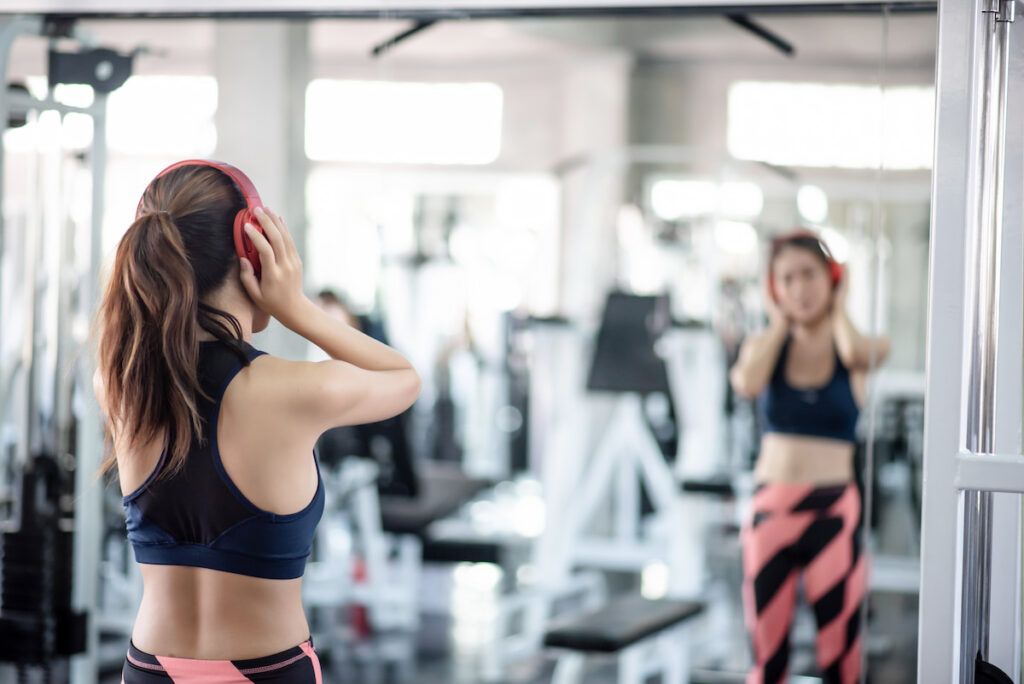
<point x="824" y="125"/>
<point x="163" y="116"/>
<point x="403" y="123"/>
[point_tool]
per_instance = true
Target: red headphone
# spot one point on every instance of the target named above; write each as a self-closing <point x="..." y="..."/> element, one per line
<point x="243" y="245"/>
<point x="835" y="269"/>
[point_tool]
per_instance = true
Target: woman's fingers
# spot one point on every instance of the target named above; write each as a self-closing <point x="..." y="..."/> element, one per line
<point x="288" y="243"/>
<point x="259" y="241"/>
<point x="270" y="229"/>
<point x="249" y="281"/>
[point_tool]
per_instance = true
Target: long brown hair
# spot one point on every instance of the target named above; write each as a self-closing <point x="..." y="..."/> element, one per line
<point x="178" y="249"/>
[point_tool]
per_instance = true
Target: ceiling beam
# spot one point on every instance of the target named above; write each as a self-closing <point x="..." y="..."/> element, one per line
<point x="380" y="49"/>
<point x="451" y="9"/>
<point x="773" y="39"/>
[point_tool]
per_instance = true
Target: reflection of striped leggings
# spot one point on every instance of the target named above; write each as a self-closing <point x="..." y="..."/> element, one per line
<point x="799" y="527"/>
<point x="298" y="665"/>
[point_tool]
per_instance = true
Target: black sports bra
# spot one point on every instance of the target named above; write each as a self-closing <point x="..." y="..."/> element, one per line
<point x="198" y="517"/>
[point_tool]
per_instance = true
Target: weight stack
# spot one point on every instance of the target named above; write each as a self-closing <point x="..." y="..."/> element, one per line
<point x="37" y="623"/>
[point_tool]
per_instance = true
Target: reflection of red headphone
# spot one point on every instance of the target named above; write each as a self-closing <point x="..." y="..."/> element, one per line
<point x="835" y="269"/>
<point x="243" y="245"/>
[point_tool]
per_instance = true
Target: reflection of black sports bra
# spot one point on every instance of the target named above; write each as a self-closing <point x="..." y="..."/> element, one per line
<point x="198" y="517"/>
<point x="828" y="411"/>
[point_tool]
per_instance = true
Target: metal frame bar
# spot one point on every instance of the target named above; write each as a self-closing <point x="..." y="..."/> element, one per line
<point x="938" y="629"/>
<point x="456" y="9"/>
<point x="88" y="500"/>
<point x="976" y="318"/>
<point x="773" y="39"/>
<point x="390" y="43"/>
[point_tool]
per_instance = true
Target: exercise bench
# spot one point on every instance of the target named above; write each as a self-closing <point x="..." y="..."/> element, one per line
<point x="628" y="626"/>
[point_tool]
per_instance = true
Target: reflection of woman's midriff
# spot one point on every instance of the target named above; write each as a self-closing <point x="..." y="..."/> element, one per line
<point x="803" y="459"/>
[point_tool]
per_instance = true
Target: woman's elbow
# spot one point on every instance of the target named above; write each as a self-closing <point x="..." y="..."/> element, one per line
<point x="415" y="386"/>
<point x="741" y="385"/>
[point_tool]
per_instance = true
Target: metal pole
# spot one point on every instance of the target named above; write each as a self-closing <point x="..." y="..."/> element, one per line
<point x="89" y="500"/>
<point x="987" y="232"/>
<point x="10" y="29"/>
<point x="939" y="627"/>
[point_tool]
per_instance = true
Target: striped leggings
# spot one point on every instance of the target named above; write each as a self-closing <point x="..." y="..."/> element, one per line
<point x="297" y="665"/>
<point x="796" y="529"/>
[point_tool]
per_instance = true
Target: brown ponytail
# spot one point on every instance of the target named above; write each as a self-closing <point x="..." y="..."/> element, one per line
<point x="149" y="343"/>
<point x="178" y="249"/>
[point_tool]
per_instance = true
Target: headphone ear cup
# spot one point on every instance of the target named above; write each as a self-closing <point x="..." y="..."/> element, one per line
<point x="243" y="245"/>
<point x="837" y="273"/>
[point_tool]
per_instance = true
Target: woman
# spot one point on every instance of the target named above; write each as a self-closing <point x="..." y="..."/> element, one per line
<point x="808" y="371"/>
<point x="213" y="439"/>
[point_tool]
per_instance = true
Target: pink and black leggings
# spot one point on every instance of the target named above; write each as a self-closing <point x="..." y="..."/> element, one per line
<point x="297" y="665"/>
<point x="814" y="531"/>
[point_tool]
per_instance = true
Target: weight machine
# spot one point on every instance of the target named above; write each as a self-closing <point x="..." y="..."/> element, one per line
<point x="50" y="437"/>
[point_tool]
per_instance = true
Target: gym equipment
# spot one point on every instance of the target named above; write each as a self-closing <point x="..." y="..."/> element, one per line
<point x="243" y="245"/>
<point x="49" y="424"/>
<point x="592" y="493"/>
<point x="626" y="626"/>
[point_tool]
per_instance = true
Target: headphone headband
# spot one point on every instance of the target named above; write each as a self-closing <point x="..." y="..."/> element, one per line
<point x="252" y="197"/>
<point x="782" y="240"/>
<point x="243" y="245"/>
<point x="835" y="269"/>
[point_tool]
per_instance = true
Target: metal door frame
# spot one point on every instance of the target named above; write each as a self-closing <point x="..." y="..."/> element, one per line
<point x="951" y="471"/>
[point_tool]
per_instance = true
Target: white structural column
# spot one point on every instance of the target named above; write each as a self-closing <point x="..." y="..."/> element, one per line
<point x="594" y="105"/>
<point x="963" y="209"/>
<point x="262" y="69"/>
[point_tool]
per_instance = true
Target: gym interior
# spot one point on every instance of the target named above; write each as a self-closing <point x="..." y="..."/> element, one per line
<point x="563" y="214"/>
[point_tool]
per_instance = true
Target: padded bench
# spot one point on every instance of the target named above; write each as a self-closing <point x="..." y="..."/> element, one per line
<point x="715" y="485"/>
<point x="442" y="491"/>
<point x="626" y="625"/>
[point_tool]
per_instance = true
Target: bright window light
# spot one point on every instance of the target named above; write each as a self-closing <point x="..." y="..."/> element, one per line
<point x="163" y="115"/>
<point x="675" y="199"/>
<point x="837" y="244"/>
<point x="403" y="123"/>
<point x="828" y="125"/>
<point x="735" y="237"/>
<point x="812" y="203"/>
<point x="741" y="199"/>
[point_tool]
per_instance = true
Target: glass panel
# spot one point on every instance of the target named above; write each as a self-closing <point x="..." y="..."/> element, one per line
<point x="566" y="224"/>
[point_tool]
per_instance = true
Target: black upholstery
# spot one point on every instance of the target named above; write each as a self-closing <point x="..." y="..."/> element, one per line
<point x="443" y="490"/>
<point x="619" y="623"/>
<point x="717" y="485"/>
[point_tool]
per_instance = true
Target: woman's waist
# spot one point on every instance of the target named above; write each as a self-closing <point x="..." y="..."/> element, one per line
<point x="210" y="615"/>
<point x="804" y="459"/>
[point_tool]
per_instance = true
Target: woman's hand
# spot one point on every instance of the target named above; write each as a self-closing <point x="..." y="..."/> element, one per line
<point x="841" y="290"/>
<point x="278" y="290"/>
<point x="777" y="318"/>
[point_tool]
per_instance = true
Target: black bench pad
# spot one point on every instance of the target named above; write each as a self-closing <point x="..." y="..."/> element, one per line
<point x="620" y="623"/>
<point x="714" y="485"/>
<point x="442" y="492"/>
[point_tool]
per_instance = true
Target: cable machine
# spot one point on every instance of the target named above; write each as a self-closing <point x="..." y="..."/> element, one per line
<point x="50" y="440"/>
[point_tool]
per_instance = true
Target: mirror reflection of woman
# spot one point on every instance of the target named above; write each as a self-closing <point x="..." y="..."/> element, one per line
<point x="808" y="371"/>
